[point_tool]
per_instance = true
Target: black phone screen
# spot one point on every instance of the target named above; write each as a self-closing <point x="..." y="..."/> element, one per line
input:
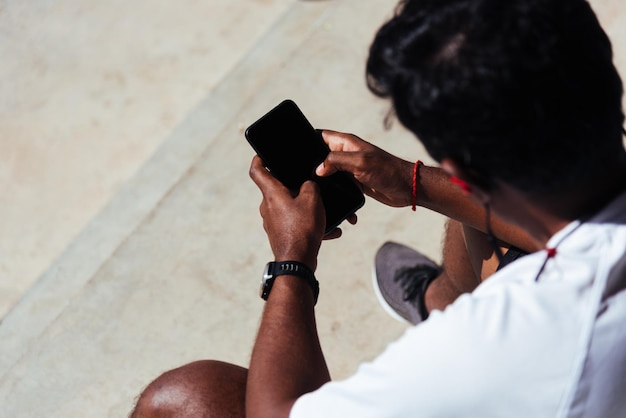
<point x="291" y="149"/>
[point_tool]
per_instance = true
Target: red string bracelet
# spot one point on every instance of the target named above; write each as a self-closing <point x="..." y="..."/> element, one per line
<point x="416" y="167"/>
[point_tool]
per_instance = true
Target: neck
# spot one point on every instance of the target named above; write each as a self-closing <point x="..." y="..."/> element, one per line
<point x="543" y="216"/>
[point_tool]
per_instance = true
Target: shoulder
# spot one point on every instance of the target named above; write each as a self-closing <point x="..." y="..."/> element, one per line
<point x="507" y="339"/>
<point x="515" y="336"/>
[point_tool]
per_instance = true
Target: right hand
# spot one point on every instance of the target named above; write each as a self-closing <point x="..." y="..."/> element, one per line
<point x="294" y="222"/>
<point x="383" y="176"/>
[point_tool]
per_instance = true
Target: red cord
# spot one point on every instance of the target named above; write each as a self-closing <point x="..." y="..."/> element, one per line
<point x="416" y="167"/>
<point x="467" y="189"/>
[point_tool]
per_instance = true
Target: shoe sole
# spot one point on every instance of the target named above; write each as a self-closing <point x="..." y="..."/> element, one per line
<point x="381" y="299"/>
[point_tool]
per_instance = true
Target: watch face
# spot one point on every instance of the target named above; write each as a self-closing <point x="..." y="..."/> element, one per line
<point x="266" y="286"/>
<point x="266" y="281"/>
<point x="262" y="290"/>
<point x="274" y="269"/>
<point x="267" y="273"/>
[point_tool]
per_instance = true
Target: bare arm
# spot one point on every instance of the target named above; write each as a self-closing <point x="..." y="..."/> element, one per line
<point x="389" y="179"/>
<point x="287" y="360"/>
<point x="436" y="192"/>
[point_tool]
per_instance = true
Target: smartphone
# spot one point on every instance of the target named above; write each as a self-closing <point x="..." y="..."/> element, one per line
<point x="291" y="149"/>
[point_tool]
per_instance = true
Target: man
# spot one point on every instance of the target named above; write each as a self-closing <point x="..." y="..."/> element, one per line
<point x="408" y="284"/>
<point x="520" y="102"/>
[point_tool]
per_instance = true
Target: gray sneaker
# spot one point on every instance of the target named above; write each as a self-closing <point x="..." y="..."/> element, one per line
<point x="401" y="276"/>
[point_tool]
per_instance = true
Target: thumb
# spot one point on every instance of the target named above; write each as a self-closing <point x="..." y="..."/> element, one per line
<point x="338" y="161"/>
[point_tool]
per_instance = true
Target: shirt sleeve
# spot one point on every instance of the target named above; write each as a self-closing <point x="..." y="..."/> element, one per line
<point x="482" y="356"/>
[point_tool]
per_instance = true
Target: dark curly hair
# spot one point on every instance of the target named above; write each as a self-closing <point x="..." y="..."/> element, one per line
<point x="524" y="91"/>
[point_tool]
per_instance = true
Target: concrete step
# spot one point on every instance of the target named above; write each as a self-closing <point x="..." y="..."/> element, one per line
<point x="144" y="286"/>
<point x="168" y="271"/>
<point x="88" y="93"/>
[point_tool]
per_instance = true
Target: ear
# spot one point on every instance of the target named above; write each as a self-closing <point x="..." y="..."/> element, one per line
<point x="456" y="170"/>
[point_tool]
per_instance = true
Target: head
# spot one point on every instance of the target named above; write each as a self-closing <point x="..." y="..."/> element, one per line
<point x="522" y="92"/>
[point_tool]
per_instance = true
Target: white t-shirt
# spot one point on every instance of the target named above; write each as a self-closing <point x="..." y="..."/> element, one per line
<point x="515" y="347"/>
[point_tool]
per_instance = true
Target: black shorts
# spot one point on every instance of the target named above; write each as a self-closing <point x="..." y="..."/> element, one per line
<point x="512" y="254"/>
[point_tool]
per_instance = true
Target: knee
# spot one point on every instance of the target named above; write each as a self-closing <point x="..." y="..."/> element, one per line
<point x="199" y="389"/>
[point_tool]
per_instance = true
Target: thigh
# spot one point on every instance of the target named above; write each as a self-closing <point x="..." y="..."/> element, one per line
<point x="481" y="253"/>
<point x="201" y="389"/>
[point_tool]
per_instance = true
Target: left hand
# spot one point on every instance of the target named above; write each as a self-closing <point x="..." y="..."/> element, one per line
<point x="294" y="223"/>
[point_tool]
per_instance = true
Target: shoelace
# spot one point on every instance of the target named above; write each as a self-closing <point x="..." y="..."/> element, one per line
<point x="414" y="281"/>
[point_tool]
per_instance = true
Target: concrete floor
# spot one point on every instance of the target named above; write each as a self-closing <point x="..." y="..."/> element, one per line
<point x="124" y="195"/>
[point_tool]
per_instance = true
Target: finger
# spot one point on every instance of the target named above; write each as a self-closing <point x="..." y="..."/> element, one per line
<point x="340" y="161"/>
<point x="261" y="177"/>
<point x="339" y="141"/>
<point x="352" y="219"/>
<point x="309" y="186"/>
<point x="334" y="234"/>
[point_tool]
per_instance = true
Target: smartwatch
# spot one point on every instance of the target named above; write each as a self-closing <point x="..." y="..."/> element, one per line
<point x="274" y="269"/>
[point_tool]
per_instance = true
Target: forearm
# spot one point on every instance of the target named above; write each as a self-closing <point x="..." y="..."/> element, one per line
<point x="437" y="193"/>
<point x="389" y="179"/>
<point x="287" y="359"/>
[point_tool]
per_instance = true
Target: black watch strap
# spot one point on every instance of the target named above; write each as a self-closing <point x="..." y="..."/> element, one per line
<point x="274" y="269"/>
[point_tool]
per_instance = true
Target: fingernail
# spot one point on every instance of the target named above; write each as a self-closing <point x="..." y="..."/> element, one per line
<point x="319" y="169"/>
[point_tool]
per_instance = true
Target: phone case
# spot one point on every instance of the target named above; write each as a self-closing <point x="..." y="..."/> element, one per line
<point x="291" y="149"/>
